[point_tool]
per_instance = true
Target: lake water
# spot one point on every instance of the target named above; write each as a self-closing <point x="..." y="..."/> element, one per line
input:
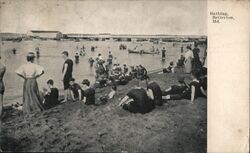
<point x="52" y="60"/>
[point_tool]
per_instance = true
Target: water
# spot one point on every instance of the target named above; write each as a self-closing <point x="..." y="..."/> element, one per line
<point x="52" y="60"/>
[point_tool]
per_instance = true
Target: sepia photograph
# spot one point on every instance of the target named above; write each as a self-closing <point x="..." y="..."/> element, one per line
<point x="103" y="76"/>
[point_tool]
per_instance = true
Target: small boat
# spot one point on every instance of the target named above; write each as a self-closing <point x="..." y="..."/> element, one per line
<point x="135" y="51"/>
<point x="142" y="52"/>
<point x="151" y="52"/>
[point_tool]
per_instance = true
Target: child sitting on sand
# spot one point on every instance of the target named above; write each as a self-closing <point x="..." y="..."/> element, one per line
<point x="195" y="90"/>
<point x="75" y="90"/>
<point x="50" y="95"/>
<point x="105" y="98"/>
<point x="88" y="93"/>
<point x="170" y="68"/>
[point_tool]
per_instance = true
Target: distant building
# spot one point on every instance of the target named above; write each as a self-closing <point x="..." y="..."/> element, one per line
<point x="45" y="34"/>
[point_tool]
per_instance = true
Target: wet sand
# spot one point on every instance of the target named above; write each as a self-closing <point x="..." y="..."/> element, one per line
<point x="177" y="126"/>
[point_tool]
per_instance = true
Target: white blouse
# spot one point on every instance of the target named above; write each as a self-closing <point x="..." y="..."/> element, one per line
<point x="189" y="54"/>
<point x="30" y="70"/>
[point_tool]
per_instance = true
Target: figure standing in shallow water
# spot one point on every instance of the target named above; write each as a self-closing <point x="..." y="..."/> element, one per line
<point x="67" y="73"/>
<point x="32" y="100"/>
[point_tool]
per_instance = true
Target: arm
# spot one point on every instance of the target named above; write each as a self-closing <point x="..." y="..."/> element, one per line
<point x="65" y="69"/>
<point x="192" y="93"/>
<point x="203" y="91"/>
<point x="40" y="74"/>
<point x="150" y="94"/>
<point x="80" y="94"/>
<point x="21" y="76"/>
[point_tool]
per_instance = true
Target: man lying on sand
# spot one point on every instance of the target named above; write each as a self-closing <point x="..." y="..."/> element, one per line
<point x="137" y="100"/>
<point x="193" y="91"/>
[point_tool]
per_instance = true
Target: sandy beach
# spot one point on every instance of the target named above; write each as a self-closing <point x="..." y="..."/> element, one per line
<point x="177" y="126"/>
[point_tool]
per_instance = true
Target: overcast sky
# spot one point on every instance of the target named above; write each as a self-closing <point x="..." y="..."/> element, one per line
<point x="187" y="17"/>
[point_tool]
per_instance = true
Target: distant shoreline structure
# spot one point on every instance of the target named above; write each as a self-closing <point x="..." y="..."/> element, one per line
<point x="57" y="35"/>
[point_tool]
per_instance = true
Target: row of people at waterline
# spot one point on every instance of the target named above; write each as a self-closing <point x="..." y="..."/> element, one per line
<point x="143" y="100"/>
<point x="190" y="60"/>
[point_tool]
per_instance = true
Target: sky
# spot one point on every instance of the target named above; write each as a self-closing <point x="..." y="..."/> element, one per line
<point x="186" y="17"/>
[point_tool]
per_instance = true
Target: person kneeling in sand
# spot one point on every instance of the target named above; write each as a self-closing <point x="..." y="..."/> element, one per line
<point x="75" y="90"/>
<point x="137" y="101"/>
<point x="50" y="95"/>
<point x="88" y="93"/>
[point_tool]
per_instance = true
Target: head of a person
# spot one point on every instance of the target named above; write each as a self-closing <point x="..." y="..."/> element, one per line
<point x="195" y="74"/>
<point x="30" y="57"/>
<point x="109" y="52"/>
<point x="99" y="54"/>
<point x="50" y="82"/>
<point x="195" y="45"/>
<point x="124" y="65"/>
<point x="85" y="83"/>
<point x="189" y="48"/>
<point x="71" y="81"/>
<point x="163" y="47"/>
<point x="114" y="88"/>
<point x="171" y="63"/>
<point x="65" y="54"/>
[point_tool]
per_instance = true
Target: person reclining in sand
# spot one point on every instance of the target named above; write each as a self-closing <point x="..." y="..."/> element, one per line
<point x="137" y="100"/>
<point x="194" y="90"/>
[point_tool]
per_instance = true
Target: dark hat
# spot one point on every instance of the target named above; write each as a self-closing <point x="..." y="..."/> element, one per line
<point x="31" y="54"/>
<point x="188" y="47"/>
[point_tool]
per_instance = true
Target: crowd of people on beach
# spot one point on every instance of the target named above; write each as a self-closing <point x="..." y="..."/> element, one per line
<point x="108" y="72"/>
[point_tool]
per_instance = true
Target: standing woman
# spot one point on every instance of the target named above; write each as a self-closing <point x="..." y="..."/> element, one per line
<point x="188" y="60"/>
<point x="32" y="101"/>
<point x="2" y="88"/>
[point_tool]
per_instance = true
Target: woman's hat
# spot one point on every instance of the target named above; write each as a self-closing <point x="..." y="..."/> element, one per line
<point x="31" y="54"/>
<point x="188" y="47"/>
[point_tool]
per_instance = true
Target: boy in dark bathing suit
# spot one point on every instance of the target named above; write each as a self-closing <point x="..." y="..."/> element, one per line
<point x="67" y="73"/>
<point x="75" y="90"/>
